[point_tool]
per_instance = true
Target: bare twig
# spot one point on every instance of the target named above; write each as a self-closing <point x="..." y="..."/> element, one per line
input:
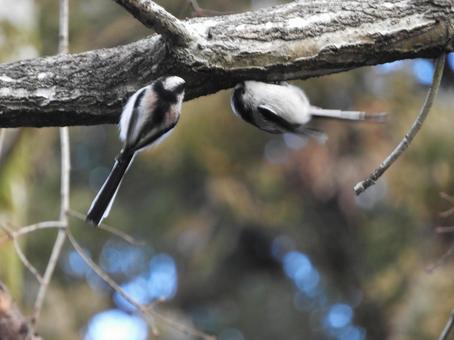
<point x="65" y="179"/>
<point x="21" y="254"/>
<point x="154" y="16"/>
<point x="441" y="260"/>
<point x="114" y="231"/>
<point x="38" y="226"/>
<point x="31" y="228"/>
<point x="107" y="279"/>
<point x="146" y="311"/>
<point x="403" y="145"/>
<point x="448" y="327"/>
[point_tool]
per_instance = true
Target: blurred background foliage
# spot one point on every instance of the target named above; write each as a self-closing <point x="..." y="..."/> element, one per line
<point x="247" y="235"/>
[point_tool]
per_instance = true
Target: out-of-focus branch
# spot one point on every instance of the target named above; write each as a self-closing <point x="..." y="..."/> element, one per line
<point x="38" y="226"/>
<point x="114" y="231"/>
<point x="147" y="312"/>
<point x="107" y="279"/>
<point x="448" y="327"/>
<point x="441" y="260"/>
<point x="13" y="325"/>
<point x="410" y="135"/>
<point x="27" y="264"/>
<point x="154" y="16"/>
<point x="65" y="177"/>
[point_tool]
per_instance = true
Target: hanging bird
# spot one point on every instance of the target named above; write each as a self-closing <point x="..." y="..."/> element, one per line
<point x="280" y="108"/>
<point x="150" y="113"/>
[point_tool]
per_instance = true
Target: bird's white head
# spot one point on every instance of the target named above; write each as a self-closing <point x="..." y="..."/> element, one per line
<point x="173" y="84"/>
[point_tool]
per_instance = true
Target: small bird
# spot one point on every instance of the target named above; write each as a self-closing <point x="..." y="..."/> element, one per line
<point x="150" y="114"/>
<point x="280" y="108"/>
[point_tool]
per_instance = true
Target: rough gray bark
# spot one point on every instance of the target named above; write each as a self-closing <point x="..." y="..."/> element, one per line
<point x="294" y="41"/>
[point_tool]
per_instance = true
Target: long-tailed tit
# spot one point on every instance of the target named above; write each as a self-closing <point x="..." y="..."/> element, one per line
<point x="280" y="108"/>
<point x="149" y="114"/>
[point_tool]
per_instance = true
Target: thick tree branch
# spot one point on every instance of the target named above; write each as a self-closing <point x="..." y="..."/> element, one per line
<point x="154" y="16"/>
<point x="297" y="40"/>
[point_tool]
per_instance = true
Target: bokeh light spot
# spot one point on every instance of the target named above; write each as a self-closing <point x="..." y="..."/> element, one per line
<point x="120" y="258"/>
<point x="339" y="315"/>
<point x="137" y="290"/>
<point x="162" y="280"/>
<point x="116" y="325"/>
<point x="451" y="60"/>
<point x="74" y="265"/>
<point x="296" y="261"/>
<point x="423" y="70"/>
<point x="390" y="67"/>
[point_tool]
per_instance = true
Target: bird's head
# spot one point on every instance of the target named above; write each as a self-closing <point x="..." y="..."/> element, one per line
<point x="173" y="84"/>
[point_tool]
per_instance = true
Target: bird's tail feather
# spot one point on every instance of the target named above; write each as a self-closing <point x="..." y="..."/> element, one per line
<point x="347" y="115"/>
<point x="103" y="201"/>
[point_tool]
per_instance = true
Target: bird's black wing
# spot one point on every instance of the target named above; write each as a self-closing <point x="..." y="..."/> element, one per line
<point x="277" y="120"/>
<point x="300" y="129"/>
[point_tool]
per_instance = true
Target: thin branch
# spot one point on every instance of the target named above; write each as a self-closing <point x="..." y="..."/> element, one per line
<point x="61" y="236"/>
<point x="107" y="279"/>
<point x="38" y="226"/>
<point x="65" y="178"/>
<point x="186" y="330"/>
<point x="448" y="327"/>
<point x="146" y="311"/>
<point x="114" y="231"/>
<point x="154" y="16"/>
<point x="31" y="228"/>
<point x="21" y="255"/>
<point x="441" y="260"/>
<point x="403" y="145"/>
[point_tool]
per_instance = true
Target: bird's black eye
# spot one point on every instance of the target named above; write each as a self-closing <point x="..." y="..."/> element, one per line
<point x="240" y="88"/>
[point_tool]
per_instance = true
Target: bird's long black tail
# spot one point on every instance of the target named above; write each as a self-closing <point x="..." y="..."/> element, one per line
<point x="103" y="201"/>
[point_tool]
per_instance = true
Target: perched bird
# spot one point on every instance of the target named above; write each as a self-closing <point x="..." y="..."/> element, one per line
<point x="280" y="108"/>
<point x="150" y="113"/>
